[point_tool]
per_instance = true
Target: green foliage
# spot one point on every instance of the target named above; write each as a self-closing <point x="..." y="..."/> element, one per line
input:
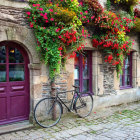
<point x="108" y="5"/>
<point x="58" y="31"/>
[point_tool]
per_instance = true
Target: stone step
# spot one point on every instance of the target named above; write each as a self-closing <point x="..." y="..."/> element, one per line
<point x="15" y="127"/>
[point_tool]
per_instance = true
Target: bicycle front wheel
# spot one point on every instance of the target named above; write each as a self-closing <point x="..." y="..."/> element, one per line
<point x="84" y="104"/>
<point x="47" y="112"/>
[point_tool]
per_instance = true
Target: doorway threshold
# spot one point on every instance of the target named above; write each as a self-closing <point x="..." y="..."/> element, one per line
<point x="15" y="127"/>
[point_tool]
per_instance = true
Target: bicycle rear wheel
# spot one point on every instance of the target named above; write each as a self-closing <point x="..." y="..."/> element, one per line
<point x="47" y="112"/>
<point x="83" y="105"/>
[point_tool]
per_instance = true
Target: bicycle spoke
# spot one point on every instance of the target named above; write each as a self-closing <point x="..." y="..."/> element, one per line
<point x="84" y="105"/>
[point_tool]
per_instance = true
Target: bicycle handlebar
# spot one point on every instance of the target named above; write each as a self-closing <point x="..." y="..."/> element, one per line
<point x="76" y="86"/>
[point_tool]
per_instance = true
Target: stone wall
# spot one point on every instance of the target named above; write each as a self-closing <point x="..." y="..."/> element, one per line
<point x="13" y="15"/>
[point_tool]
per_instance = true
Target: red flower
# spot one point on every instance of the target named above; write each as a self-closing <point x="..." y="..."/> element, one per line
<point x="60" y="48"/>
<point x="95" y="43"/>
<point x="31" y="25"/>
<point x="110" y="57"/>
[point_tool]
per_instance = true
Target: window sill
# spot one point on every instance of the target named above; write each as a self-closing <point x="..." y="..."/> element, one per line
<point x="127" y="87"/>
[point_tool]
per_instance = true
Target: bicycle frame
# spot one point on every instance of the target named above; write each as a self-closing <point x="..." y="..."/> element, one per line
<point x="72" y="101"/>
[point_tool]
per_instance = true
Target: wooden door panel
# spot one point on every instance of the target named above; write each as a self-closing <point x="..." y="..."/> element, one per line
<point x="16" y="88"/>
<point x="2" y="90"/>
<point x="3" y="108"/>
<point x="17" y="106"/>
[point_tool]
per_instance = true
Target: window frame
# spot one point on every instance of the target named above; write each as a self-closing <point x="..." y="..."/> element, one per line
<point x="130" y="75"/>
<point x="80" y="65"/>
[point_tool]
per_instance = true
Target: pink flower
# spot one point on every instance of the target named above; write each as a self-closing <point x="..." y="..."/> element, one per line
<point x="47" y="21"/>
<point x="31" y="25"/>
<point x="57" y="30"/>
<point x="41" y="9"/>
<point x="38" y="5"/>
<point x="51" y="10"/>
<point x="88" y="21"/>
<point x="55" y="13"/>
<point x="52" y="19"/>
<point x="84" y="16"/>
<point x="57" y="4"/>
<point x="34" y="5"/>
<point x="45" y="14"/>
<point x="44" y="27"/>
<point x="59" y="36"/>
<point x="45" y="17"/>
<point x="81" y="13"/>
<point x="81" y="3"/>
<point x="28" y="13"/>
<point x="41" y="14"/>
<point x="92" y="17"/>
<point x="86" y="12"/>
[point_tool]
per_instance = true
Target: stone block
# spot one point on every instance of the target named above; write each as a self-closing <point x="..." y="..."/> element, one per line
<point x="37" y="90"/>
<point x="14" y="4"/>
<point x="88" y="43"/>
<point x="94" y="84"/>
<point x="36" y="80"/>
<point x="94" y="70"/>
<point x="116" y="81"/>
<point x="95" y="54"/>
<point x="100" y="84"/>
<point x="69" y="65"/>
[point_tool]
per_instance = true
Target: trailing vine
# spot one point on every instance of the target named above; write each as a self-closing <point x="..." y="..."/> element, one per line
<point x="58" y="31"/>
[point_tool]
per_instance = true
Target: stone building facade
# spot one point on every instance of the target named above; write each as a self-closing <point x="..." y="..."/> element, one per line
<point x="34" y="83"/>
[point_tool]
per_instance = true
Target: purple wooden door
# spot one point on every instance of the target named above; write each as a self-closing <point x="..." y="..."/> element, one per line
<point x="14" y="83"/>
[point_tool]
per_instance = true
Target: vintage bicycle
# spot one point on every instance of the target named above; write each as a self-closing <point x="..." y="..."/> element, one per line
<point x="48" y="111"/>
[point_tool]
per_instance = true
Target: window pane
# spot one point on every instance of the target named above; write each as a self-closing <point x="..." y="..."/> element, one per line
<point x="16" y="73"/>
<point x="76" y="72"/>
<point x="127" y="69"/>
<point x="127" y="60"/>
<point x="121" y="80"/>
<point x="85" y="85"/>
<point x="15" y="56"/>
<point x="76" y="83"/>
<point x="127" y="80"/>
<point x="85" y="71"/>
<point x="2" y="73"/>
<point x="2" y="54"/>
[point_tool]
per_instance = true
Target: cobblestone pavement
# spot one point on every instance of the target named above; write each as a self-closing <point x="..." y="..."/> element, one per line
<point x="114" y="123"/>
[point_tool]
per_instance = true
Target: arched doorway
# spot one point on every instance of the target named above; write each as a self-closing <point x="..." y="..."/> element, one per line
<point x="14" y="83"/>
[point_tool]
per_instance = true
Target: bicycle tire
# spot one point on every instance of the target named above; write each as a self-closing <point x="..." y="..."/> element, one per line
<point x="83" y="104"/>
<point x="47" y="112"/>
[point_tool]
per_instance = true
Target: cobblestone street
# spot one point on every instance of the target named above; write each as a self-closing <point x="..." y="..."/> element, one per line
<point x="114" y="123"/>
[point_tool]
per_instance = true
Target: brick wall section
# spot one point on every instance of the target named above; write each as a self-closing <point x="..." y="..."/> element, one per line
<point x="108" y="80"/>
<point x="60" y="81"/>
<point x="13" y="15"/>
